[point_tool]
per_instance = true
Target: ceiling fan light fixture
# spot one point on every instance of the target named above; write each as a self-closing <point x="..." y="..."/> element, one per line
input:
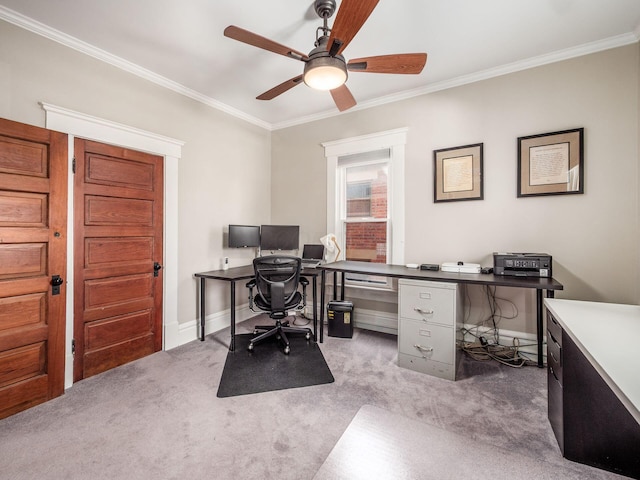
<point x="325" y="73"/>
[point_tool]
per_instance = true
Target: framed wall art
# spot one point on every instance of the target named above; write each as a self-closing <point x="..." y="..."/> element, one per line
<point x="551" y="163"/>
<point x="458" y="173"/>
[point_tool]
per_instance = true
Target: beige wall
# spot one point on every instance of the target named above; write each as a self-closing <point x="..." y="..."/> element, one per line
<point x="224" y="173"/>
<point x="594" y="238"/>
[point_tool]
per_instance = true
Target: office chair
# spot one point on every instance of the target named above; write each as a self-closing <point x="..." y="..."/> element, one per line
<point x="276" y="283"/>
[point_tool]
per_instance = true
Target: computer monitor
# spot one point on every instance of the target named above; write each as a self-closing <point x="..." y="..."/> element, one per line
<point x="279" y="237"/>
<point x="243" y="236"/>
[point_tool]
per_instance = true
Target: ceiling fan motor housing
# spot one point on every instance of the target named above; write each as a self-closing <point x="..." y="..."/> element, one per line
<point x="323" y="64"/>
<point x="325" y="8"/>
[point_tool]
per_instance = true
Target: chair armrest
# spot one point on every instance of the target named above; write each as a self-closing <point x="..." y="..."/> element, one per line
<point x="304" y="282"/>
<point x="250" y="285"/>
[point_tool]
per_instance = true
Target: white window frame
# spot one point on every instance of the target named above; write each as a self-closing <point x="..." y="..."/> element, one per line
<point x="394" y="141"/>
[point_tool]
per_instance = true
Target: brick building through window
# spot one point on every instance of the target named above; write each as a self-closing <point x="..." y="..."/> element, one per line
<point x="366" y="224"/>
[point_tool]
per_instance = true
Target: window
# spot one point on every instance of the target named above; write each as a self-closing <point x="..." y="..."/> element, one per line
<point x="365" y="202"/>
<point x="358" y="198"/>
<point x="364" y="213"/>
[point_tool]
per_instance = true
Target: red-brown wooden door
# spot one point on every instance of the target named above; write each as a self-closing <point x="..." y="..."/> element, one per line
<point x="118" y="213"/>
<point x="33" y="248"/>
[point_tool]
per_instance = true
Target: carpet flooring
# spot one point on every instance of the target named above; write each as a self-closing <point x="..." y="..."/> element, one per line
<point x="267" y="368"/>
<point x="159" y="417"/>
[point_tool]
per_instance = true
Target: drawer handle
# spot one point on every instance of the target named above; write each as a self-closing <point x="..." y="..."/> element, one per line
<point x="423" y="312"/>
<point x="423" y="350"/>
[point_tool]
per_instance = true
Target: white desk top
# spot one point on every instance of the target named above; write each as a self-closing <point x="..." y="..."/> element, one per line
<point x="608" y="335"/>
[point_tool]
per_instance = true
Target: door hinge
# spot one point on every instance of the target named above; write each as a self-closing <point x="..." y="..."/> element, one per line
<point x="73" y="346"/>
<point x="73" y="165"/>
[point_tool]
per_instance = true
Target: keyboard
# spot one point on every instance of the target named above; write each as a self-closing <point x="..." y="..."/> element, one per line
<point x="310" y="263"/>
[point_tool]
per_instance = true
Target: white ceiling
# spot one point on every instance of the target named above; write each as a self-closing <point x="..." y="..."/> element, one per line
<point x="180" y="44"/>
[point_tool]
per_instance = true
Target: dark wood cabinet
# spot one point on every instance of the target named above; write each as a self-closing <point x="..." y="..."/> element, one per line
<point x="591" y="424"/>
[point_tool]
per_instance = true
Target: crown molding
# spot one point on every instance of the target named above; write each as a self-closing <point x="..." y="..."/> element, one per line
<point x="560" y="55"/>
<point x="68" y="41"/>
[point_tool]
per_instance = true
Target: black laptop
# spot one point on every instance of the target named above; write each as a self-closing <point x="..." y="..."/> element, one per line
<point x="312" y="255"/>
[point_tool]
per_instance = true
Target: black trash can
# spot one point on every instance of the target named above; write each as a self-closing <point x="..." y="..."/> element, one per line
<point x="340" y="319"/>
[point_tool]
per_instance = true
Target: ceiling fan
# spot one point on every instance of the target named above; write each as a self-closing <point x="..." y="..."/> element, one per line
<point x="325" y="68"/>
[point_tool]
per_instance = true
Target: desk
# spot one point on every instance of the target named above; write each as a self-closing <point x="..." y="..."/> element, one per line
<point x="594" y="393"/>
<point x="232" y="275"/>
<point x="399" y="271"/>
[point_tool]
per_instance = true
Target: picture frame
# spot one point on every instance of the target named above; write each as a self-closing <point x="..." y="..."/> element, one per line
<point x="457" y="173"/>
<point x="551" y="163"/>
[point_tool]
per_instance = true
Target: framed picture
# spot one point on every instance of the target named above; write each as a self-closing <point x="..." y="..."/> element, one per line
<point x="458" y="173"/>
<point x="551" y="163"/>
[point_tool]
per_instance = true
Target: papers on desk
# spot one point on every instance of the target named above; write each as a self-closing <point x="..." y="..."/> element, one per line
<point x="459" y="267"/>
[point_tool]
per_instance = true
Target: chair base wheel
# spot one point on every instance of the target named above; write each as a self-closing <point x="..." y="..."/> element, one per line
<point x="250" y="347"/>
<point x="287" y="350"/>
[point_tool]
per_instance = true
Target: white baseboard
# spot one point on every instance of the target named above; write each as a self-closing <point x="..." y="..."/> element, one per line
<point x="188" y="331"/>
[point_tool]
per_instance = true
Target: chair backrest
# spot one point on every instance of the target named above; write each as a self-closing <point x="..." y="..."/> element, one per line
<point x="277" y="278"/>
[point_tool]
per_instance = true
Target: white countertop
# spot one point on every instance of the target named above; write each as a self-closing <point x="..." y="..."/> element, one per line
<point x="608" y="335"/>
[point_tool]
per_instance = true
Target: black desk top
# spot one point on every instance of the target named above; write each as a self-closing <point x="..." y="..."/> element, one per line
<point x="243" y="273"/>
<point x="400" y="271"/>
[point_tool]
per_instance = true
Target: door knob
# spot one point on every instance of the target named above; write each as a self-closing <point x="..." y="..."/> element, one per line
<point x="56" y="281"/>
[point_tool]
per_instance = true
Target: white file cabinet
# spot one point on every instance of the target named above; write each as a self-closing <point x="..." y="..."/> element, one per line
<point x="429" y="319"/>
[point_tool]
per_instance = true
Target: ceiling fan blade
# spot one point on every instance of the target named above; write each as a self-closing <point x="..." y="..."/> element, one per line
<point x="343" y="98"/>
<point x="350" y="17"/>
<point x="245" y="36"/>
<point x="407" y="63"/>
<point x="283" y="87"/>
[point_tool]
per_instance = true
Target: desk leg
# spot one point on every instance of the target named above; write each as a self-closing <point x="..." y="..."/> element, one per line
<point x="323" y="277"/>
<point x="342" y="274"/>
<point x="539" y="318"/>
<point x="315" y="307"/>
<point x="232" y="345"/>
<point x="335" y="286"/>
<point x="202" y="310"/>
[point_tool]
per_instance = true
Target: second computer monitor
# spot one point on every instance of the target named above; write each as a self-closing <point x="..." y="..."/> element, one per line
<point x="279" y="237"/>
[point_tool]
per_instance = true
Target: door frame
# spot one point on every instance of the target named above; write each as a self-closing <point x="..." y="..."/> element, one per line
<point x="76" y="124"/>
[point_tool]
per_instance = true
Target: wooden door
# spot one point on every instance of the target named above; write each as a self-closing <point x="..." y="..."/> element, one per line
<point x="118" y="205"/>
<point x="33" y="248"/>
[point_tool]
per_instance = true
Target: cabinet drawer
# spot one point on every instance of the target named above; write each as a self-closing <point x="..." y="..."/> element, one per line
<point x="554" y="327"/>
<point x="430" y="367"/>
<point x="427" y="303"/>
<point x="432" y="342"/>
<point x="554" y="356"/>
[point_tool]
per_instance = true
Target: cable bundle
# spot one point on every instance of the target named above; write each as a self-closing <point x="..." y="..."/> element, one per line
<point x="481" y="349"/>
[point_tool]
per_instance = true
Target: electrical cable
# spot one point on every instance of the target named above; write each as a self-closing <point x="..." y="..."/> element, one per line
<point x="481" y="349"/>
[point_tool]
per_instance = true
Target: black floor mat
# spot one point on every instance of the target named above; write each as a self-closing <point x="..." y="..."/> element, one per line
<point x="267" y="368"/>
